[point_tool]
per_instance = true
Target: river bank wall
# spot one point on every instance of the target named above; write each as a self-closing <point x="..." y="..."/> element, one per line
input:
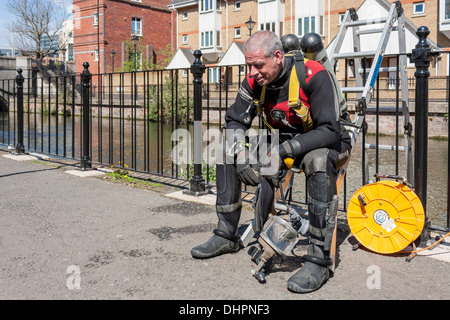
<point x="387" y="121"/>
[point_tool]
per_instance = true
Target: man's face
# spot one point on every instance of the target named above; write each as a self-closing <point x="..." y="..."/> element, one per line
<point x="264" y="70"/>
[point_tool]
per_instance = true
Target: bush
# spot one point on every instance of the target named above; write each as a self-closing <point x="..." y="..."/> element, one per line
<point x="161" y="109"/>
<point x="206" y="172"/>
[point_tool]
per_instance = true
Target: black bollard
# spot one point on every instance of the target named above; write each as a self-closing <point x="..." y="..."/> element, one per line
<point x="421" y="56"/>
<point x="20" y="148"/>
<point x="197" y="183"/>
<point x="86" y="77"/>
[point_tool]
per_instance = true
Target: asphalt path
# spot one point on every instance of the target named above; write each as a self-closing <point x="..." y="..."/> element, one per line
<point x="66" y="237"/>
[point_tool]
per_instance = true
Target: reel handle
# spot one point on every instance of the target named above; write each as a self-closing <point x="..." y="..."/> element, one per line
<point x="394" y="177"/>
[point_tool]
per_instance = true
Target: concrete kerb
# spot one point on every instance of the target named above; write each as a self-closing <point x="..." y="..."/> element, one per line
<point x="36" y="156"/>
<point x="440" y="251"/>
<point x="20" y="157"/>
<point x="208" y="199"/>
<point x="85" y="173"/>
<point x="29" y="156"/>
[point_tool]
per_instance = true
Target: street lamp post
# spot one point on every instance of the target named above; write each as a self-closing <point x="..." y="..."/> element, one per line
<point x="86" y="77"/>
<point x="250" y="24"/>
<point x="135" y="41"/>
<point x="20" y="148"/>
<point x="197" y="183"/>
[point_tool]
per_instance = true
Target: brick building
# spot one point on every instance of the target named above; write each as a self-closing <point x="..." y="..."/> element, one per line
<point x="103" y="26"/>
<point x="213" y="25"/>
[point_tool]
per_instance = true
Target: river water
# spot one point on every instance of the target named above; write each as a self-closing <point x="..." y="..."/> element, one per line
<point x="132" y="147"/>
<point x="437" y="172"/>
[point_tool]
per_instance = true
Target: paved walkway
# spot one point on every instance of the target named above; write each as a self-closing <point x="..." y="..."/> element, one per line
<point x="70" y="237"/>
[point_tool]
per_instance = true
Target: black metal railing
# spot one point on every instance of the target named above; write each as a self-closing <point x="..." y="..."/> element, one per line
<point x="145" y="121"/>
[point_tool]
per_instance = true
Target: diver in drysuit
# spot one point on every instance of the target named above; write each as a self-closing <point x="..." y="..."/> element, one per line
<point x="319" y="147"/>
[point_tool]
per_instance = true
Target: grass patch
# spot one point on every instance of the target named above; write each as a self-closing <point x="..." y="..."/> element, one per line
<point x="122" y="176"/>
<point x="438" y="138"/>
<point x="206" y="172"/>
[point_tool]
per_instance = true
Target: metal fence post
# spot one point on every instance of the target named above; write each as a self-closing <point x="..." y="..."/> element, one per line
<point x="197" y="183"/>
<point x="421" y="56"/>
<point x="20" y="148"/>
<point x="85" y="86"/>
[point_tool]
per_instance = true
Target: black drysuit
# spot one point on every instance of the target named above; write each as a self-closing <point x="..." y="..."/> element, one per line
<point x="322" y="149"/>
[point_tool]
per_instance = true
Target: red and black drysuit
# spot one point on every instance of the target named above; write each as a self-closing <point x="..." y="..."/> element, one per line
<point x="319" y="152"/>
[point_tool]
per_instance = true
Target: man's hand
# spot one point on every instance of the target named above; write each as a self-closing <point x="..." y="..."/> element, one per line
<point x="289" y="149"/>
<point x="247" y="168"/>
<point x="276" y="161"/>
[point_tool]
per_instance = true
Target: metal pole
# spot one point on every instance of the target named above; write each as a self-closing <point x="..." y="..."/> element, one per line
<point x="86" y="77"/>
<point x="20" y="149"/>
<point x="135" y="57"/>
<point x="421" y="56"/>
<point x="197" y="183"/>
<point x="448" y="149"/>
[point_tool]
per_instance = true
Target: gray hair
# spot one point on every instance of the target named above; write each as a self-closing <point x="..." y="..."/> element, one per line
<point x="266" y="40"/>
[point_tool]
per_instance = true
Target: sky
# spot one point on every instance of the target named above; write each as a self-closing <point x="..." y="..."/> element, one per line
<point x="6" y="18"/>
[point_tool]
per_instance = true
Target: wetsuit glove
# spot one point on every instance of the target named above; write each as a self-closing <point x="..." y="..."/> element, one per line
<point x="247" y="168"/>
<point x="289" y="149"/>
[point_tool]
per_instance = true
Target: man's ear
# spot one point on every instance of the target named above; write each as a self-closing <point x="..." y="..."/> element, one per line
<point x="279" y="56"/>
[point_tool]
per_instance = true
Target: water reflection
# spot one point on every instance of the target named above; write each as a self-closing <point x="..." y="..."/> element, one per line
<point x="114" y="141"/>
<point x="147" y="146"/>
<point x="437" y="173"/>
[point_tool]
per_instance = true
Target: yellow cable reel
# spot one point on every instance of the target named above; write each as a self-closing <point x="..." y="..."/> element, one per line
<point x="386" y="216"/>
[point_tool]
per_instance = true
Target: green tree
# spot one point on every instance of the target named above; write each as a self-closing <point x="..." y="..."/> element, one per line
<point x="161" y="107"/>
<point x="137" y="62"/>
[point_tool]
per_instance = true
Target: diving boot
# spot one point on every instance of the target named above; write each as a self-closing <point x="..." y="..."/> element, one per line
<point x="313" y="274"/>
<point x="220" y="243"/>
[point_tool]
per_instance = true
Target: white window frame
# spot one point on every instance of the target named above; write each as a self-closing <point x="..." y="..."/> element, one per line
<point x="96" y="55"/>
<point x="133" y="30"/>
<point x="446" y="17"/>
<point x="206" y="39"/>
<point x="313" y="22"/>
<point x="271" y="26"/>
<point x="95" y="19"/>
<point x="301" y="29"/>
<point x="237" y="32"/>
<point x="242" y="70"/>
<point x="184" y="38"/>
<point x="341" y="17"/>
<point x="184" y="15"/>
<point x="417" y="4"/>
<point x="214" y="74"/>
<point x="237" y="5"/>
<point x="206" y="3"/>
